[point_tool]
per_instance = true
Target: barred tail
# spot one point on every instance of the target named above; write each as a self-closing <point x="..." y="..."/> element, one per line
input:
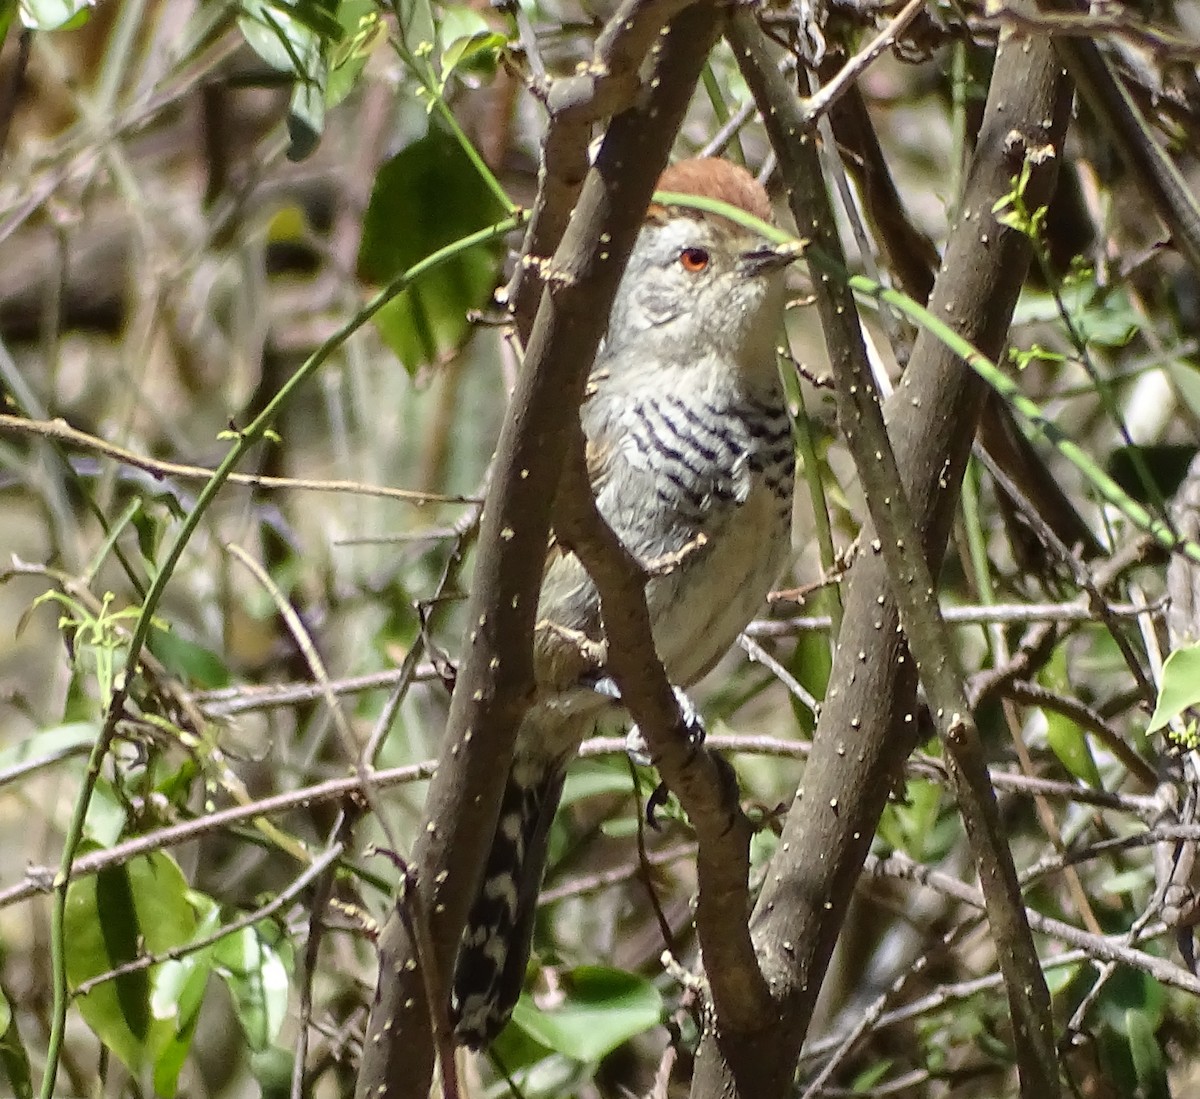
<point x="490" y="969"/>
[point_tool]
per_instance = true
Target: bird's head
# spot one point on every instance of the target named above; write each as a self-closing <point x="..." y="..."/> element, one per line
<point x="697" y="283"/>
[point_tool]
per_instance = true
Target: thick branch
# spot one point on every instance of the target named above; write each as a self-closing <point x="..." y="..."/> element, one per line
<point x="868" y="726"/>
<point x="496" y="680"/>
<point x="860" y="417"/>
<point x="703" y="782"/>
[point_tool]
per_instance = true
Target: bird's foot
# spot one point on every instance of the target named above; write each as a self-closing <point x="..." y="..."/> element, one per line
<point x="692" y="724"/>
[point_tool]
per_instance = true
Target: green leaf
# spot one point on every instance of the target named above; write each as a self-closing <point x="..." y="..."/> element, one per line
<point x="58" y="738"/>
<point x="1149" y="1065"/>
<point x="178" y="988"/>
<point x="811" y="662"/>
<point x="916" y="825"/>
<point x="594" y="778"/>
<point x="1070" y="744"/>
<point x="1066" y="739"/>
<point x="107" y="815"/>
<point x="1129" y="881"/>
<point x="13" y="1056"/>
<point x="255" y="968"/>
<point x="1023" y="358"/>
<point x="478" y="51"/>
<point x="177" y="994"/>
<point x="457" y="22"/>
<point x="471" y="42"/>
<point x="1186" y="381"/>
<point x="363" y="31"/>
<point x="55" y="15"/>
<point x="194" y="664"/>
<point x="1130" y="991"/>
<point x="272" y="33"/>
<point x="603" y="1009"/>
<point x="426" y="197"/>
<point x="296" y="38"/>
<point x="272" y="1068"/>
<point x="1180" y="686"/>
<point x="1060" y="977"/>
<point x="113" y="918"/>
<point x="1103" y="318"/>
<point x="306" y="110"/>
<point x="872" y="1075"/>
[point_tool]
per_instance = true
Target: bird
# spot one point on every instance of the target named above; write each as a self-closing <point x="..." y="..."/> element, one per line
<point x="690" y="455"/>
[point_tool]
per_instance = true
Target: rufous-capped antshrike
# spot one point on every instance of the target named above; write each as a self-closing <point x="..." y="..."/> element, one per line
<point x="690" y="454"/>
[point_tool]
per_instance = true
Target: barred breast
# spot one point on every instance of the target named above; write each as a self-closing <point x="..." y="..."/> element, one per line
<point x="719" y="467"/>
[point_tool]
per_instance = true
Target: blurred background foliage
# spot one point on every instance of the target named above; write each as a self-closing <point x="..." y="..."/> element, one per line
<point x="194" y="196"/>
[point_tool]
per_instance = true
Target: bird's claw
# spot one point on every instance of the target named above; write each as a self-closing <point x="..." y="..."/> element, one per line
<point x="691" y="723"/>
<point x="659" y="797"/>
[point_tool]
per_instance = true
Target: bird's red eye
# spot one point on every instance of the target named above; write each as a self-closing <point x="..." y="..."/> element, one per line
<point x="694" y="259"/>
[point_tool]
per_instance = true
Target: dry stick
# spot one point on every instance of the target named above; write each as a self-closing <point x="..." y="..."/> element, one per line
<point x="496" y="683"/>
<point x="1086" y="717"/>
<point x="576" y="104"/>
<point x="1100" y="849"/>
<point x="795" y="688"/>
<point x="253" y="433"/>
<point x="1077" y="567"/>
<point x="1046" y="818"/>
<point x="466" y="526"/>
<point x="840" y="1045"/>
<point x="1098" y="947"/>
<point x="643" y="868"/>
<point x="936" y="1001"/>
<point x="224" y="702"/>
<point x="1162" y="44"/>
<point x="62" y="431"/>
<point x="247" y="698"/>
<point x="308" y="650"/>
<point x="864" y="729"/>
<point x="39" y="879"/>
<point x="175" y="700"/>
<point x="248" y="919"/>
<point x="982" y="614"/>
<point x="339" y="836"/>
<point x="841" y="82"/>
<point x="603" y="879"/>
<point x="1037" y="644"/>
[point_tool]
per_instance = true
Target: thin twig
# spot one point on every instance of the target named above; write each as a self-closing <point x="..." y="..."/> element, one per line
<point x="819" y="102"/>
<point x="62" y="431"/>
<point x="1099" y="947"/>
<point x="39" y="879"/>
<point x="285" y="896"/>
<point x="760" y="655"/>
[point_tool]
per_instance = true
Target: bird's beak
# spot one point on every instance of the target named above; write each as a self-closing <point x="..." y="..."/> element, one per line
<point x="762" y="261"/>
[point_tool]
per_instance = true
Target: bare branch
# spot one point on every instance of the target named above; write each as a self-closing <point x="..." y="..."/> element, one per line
<point x="704" y="784"/>
<point x="496" y="681"/>
<point x="61" y="431"/>
<point x="868" y="723"/>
